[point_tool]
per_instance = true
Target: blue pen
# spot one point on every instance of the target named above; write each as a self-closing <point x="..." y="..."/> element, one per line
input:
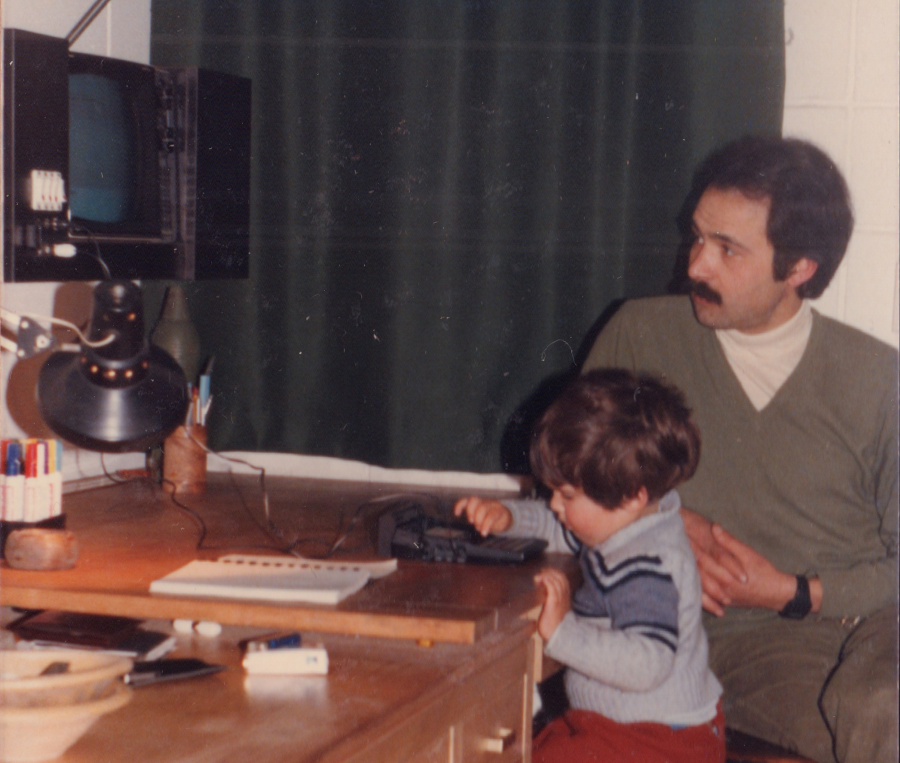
<point x="204" y="389"/>
<point x="204" y="399"/>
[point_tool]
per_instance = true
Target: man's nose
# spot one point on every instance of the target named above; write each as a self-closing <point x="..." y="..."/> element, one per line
<point x="700" y="261"/>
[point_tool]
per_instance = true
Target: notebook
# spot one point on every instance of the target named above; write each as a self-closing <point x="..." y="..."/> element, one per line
<point x="74" y="630"/>
<point x="271" y="578"/>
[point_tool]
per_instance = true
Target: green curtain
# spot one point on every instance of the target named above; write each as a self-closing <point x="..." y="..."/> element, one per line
<point x="446" y="196"/>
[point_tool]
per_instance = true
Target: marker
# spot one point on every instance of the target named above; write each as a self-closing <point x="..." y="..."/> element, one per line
<point x="272" y="641"/>
<point x="14" y="485"/>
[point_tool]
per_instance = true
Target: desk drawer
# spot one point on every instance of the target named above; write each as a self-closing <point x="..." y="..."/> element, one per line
<point x="496" y="726"/>
<point x="493" y="733"/>
<point x="481" y="715"/>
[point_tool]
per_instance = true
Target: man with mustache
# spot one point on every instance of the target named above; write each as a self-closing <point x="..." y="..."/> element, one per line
<point x="793" y="512"/>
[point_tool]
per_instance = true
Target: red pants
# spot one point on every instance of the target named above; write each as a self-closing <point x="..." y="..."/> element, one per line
<point x="580" y="735"/>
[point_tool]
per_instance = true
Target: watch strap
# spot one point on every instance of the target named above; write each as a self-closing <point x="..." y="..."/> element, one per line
<point x="800" y="606"/>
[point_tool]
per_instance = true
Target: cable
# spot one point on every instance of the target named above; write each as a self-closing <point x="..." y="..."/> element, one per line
<point x="97" y="255"/>
<point x="270" y="527"/>
<point x="71" y="326"/>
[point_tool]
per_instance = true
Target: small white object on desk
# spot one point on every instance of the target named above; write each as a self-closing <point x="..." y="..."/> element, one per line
<point x="295" y="661"/>
<point x="183" y="626"/>
<point x="208" y="628"/>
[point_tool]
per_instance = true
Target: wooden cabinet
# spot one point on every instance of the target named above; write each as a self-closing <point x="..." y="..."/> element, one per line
<point x="382" y="702"/>
<point x="481" y="711"/>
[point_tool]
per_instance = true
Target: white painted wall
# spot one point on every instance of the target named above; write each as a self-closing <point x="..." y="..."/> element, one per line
<point x="843" y="93"/>
<point x="123" y="31"/>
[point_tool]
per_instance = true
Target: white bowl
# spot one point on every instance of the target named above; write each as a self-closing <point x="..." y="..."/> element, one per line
<point x="88" y="676"/>
<point x="40" y="733"/>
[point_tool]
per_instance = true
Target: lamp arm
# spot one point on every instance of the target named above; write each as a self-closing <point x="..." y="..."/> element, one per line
<point x="31" y="338"/>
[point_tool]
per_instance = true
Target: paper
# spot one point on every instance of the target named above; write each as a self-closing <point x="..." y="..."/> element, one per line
<point x="271" y="578"/>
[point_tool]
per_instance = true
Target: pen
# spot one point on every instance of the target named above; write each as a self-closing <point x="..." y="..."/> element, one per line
<point x="205" y="410"/>
<point x="204" y="389"/>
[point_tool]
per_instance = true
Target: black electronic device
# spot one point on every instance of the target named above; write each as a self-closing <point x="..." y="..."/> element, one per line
<point x="144" y="167"/>
<point x="409" y="531"/>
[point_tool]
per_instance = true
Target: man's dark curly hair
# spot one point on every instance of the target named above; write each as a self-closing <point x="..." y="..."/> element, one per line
<point x="809" y="205"/>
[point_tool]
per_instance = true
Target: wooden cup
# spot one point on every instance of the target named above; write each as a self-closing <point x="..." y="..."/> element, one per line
<point x="184" y="460"/>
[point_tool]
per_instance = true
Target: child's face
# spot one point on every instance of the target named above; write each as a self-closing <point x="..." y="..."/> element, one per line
<point x="591" y="522"/>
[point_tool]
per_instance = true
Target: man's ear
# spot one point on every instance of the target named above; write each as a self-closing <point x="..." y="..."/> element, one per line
<point x="802" y="270"/>
<point x="637" y="502"/>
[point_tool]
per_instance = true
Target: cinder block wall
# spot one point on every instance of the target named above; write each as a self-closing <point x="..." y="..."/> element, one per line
<point x="842" y="93"/>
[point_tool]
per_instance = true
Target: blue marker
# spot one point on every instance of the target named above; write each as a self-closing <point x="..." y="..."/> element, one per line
<point x="14" y="485"/>
<point x="265" y="643"/>
<point x="13" y="459"/>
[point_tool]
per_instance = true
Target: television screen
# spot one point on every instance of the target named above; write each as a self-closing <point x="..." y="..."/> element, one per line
<point x="121" y="169"/>
<point x="101" y="179"/>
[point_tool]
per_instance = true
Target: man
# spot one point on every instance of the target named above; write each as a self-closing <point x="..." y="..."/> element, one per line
<point x="793" y="512"/>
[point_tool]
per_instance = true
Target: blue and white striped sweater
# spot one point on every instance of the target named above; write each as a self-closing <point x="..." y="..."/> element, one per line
<point x="633" y="642"/>
<point x="637" y="594"/>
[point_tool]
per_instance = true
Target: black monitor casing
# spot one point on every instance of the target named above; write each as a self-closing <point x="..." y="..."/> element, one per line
<point x="200" y="136"/>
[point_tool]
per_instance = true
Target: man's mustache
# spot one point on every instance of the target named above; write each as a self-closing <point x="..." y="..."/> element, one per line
<point x="704" y="292"/>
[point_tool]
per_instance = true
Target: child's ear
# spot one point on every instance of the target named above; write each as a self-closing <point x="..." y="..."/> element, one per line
<point x="637" y="502"/>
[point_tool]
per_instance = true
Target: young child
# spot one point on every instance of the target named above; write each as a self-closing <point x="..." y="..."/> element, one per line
<point x="612" y="448"/>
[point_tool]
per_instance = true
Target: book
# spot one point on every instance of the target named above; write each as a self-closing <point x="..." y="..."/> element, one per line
<point x="74" y="628"/>
<point x="54" y="629"/>
<point x="271" y="578"/>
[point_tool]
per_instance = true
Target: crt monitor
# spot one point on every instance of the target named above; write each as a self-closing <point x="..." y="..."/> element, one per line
<point x="121" y="152"/>
<point x="116" y="168"/>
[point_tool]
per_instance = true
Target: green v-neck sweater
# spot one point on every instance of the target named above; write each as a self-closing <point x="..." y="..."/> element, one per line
<point x="810" y="481"/>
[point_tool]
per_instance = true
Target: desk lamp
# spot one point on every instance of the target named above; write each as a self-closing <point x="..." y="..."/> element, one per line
<point x="117" y="393"/>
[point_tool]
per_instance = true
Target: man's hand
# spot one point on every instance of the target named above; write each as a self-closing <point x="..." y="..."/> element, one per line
<point x="766" y="586"/>
<point x="557" y="603"/>
<point x="486" y="515"/>
<point x="733" y="574"/>
<point x="719" y="568"/>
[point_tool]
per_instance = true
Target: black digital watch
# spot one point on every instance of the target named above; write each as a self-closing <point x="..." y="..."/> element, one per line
<point x="800" y="606"/>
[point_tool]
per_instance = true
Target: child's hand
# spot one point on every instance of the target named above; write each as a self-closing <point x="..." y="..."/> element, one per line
<point x="558" y="600"/>
<point x="486" y="515"/>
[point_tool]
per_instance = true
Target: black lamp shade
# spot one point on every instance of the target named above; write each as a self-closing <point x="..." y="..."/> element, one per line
<point x="125" y="395"/>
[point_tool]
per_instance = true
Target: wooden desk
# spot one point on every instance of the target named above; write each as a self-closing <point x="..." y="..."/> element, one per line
<point x="132" y="533"/>
<point x="434" y="662"/>
<point x="383" y="701"/>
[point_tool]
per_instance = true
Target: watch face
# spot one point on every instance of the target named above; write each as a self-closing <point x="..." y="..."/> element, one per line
<point x="800" y="606"/>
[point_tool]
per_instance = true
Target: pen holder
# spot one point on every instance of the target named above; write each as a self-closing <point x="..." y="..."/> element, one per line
<point x="184" y="459"/>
